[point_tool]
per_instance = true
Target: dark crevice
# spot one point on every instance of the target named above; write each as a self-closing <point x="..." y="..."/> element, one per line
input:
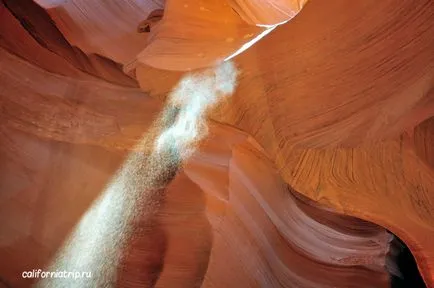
<point x="409" y="274"/>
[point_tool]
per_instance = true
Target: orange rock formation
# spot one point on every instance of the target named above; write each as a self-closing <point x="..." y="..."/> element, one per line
<point x="326" y="143"/>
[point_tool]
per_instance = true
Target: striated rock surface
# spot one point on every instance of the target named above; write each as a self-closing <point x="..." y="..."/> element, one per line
<point x="63" y="108"/>
<point x="107" y="28"/>
<point x="423" y="136"/>
<point x="313" y="85"/>
<point x="267" y="12"/>
<point x="217" y="205"/>
<point x="274" y="236"/>
<point x="194" y="34"/>
<point x="335" y="106"/>
<point x="248" y="230"/>
<point x="330" y="97"/>
<point x="28" y="32"/>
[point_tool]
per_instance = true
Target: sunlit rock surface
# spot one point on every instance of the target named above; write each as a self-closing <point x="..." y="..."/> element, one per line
<point x="267" y="12"/>
<point x="28" y="32"/>
<point x="336" y="111"/>
<point x="107" y="28"/>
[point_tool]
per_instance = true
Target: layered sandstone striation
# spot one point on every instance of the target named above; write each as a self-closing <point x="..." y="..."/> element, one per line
<point x="332" y="120"/>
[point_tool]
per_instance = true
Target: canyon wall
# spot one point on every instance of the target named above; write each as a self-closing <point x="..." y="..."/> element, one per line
<point x="332" y="120"/>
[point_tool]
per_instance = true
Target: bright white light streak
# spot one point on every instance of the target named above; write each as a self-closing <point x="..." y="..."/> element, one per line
<point x="96" y="242"/>
<point x="249" y="44"/>
<point x="194" y="95"/>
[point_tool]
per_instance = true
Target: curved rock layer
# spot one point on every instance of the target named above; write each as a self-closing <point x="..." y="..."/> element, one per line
<point x="246" y="231"/>
<point x="375" y="84"/>
<point x="34" y="169"/>
<point x="332" y="96"/>
<point x="28" y="32"/>
<point x="228" y="200"/>
<point x="274" y="237"/>
<point x="107" y="28"/>
<point x="423" y="136"/>
<point x="273" y="12"/>
<point x="64" y="108"/>
<point x="316" y="83"/>
<point x="195" y="35"/>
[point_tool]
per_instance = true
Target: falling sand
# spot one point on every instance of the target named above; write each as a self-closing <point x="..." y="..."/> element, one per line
<point x="138" y="187"/>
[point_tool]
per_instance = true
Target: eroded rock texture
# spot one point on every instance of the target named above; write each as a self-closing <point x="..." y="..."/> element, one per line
<point x="107" y="28"/>
<point x="332" y="96"/>
<point x="195" y="34"/>
<point x="335" y="107"/>
<point x="28" y="32"/>
<point x="266" y="235"/>
<point x="246" y="231"/>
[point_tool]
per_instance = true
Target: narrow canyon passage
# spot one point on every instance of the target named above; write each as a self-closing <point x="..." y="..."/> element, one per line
<point x="315" y="171"/>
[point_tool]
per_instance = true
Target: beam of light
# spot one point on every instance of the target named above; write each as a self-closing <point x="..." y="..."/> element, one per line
<point x="136" y="190"/>
<point x="194" y="95"/>
<point x="269" y="29"/>
<point x="251" y="42"/>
